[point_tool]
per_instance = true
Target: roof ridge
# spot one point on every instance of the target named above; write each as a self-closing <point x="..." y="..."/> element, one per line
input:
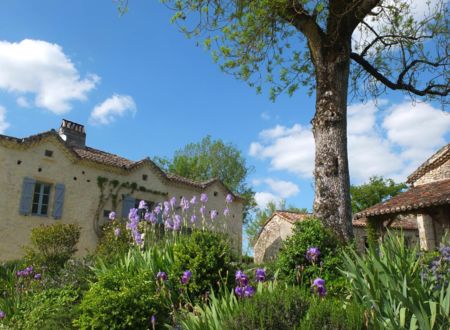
<point x="434" y="160"/>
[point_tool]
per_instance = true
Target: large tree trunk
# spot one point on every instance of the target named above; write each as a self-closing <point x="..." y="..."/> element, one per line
<point x="332" y="183"/>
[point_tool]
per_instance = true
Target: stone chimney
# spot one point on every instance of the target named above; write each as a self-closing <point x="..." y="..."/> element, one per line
<point x="73" y="133"/>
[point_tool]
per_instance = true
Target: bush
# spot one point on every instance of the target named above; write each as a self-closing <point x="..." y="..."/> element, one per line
<point x="208" y="256"/>
<point x="49" y="309"/>
<point x="293" y="265"/>
<point x="110" y="245"/>
<point x="332" y="314"/>
<point x="400" y="289"/>
<point x="52" y="246"/>
<point x="127" y="293"/>
<point x="279" y="309"/>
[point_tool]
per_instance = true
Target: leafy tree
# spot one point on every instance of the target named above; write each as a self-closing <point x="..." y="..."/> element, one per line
<point x="209" y="159"/>
<point x="375" y="191"/>
<point x="260" y="217"/>
<point x="326" y="45"/>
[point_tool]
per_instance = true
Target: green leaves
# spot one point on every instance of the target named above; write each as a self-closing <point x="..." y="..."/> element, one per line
<point x="390" y="282"/>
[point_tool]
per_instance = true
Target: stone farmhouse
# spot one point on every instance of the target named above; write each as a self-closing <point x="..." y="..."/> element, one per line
<point x="424" y="207"/>
<point x="54" y="177"/>
<point x="422" y="212"/>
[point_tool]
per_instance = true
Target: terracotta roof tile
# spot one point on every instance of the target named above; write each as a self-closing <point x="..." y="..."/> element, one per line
<point x="292" y="216"/>
<point x="416" y="198"/>
<point x="405" y="224"/>
<point x="102" y="157"/>
<point x="438" y="158"/>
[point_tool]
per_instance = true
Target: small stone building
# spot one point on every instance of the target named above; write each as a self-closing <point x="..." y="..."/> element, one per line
<point x="55" y="177"/>
<point x="276" y="229"/>
<point x="425" y="206"/>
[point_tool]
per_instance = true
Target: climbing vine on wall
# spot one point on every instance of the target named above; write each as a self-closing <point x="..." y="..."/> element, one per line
<point x="110" y="190"/>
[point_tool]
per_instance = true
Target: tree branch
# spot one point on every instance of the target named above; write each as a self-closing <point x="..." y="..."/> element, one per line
<point x="359" y="11"/>
<point x="430" y="89"/>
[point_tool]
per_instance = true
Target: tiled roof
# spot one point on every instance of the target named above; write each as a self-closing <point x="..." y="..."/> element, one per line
<point x="416" y="198"/>
<point x="106" y="158"/>
<point x="292" y="216"/>
<point x="405" y="224"/>
<point x="438" y="158"/>
<point x="102" y="157"/>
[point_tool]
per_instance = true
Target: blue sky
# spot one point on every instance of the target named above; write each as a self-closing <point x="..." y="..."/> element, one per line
<point x="143" y="89"/>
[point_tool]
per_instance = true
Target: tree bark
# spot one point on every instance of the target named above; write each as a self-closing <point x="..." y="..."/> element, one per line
<point x="332" y="183"/>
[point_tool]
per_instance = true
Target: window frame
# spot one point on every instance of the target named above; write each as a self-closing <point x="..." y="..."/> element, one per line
<point x="39" y="194"/>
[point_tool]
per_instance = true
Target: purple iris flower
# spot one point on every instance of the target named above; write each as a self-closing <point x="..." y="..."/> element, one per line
<point x="153" y="320"/>
<point x="133" y="215"/>
<point x="312" y="254"/>
<point x="260" y="275"/>
<point x="161" y="276"/>
<point x="214" y="214"/>
<point x="117" y="232"/>
<point x="241" y="278"/>
<point x="157" y="209"/>
<point x="194" y="200"/>
<point x="203" y="198"/>
<point x="239" y="291"/>
<point x="229" y="199"/>
<point x="142" y="204"/>
<point x="173" y="202"/>
<point x="37" y="276"/>
<point x="2" y="315"/>
<point x="186" y="277"/>
<point x="226" y="212"/>
<point x="168" y="223"/>
<point x="249" y="291"/>
<point x="184" y="203"/>
<point x="112" y="215"/>
<point x="166" y="207"/>
<point x="319" y="286"/>
<point x="193" y="218"/>
<point x="177" y="222"/>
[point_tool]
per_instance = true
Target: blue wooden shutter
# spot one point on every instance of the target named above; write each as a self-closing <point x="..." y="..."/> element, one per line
<point x="27" y="196"/>
<point x="127" y="205"/>
<point x="59" y="201"/>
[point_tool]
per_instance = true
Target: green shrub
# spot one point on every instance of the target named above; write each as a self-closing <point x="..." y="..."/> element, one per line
<point x="293" y="265"/>
<point x="127" y="294"/>
<point x="111" y="246"/>
<point x="49" y="309"/>
<point x="208" y="256"/>
<point x="396" y="285"/>
<point x="52" y="246"/>
<point x="280" y="309"/>
<point x="332" y="314"/>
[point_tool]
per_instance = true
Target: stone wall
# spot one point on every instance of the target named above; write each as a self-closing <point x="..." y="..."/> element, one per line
<point x="411" y="237"/>
<point x="441" y="172"/>
<point x="82" y="194"/>
<point x="270" y="239"/>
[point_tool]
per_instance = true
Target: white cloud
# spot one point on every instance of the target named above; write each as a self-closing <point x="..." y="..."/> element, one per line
<point x="42" y="69"/>
<point x="111" y="108"/>
<point x="3" y="123"/>
<point x="391" y="142"/>
<point x="263" y="198"/>
<point x="265" y="115"/>
<point x="290" y="149"/>
<point x="282" y="188"/>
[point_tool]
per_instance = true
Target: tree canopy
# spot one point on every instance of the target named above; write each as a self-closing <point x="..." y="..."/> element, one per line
<point x="326" y="46"/>
<point x="209" y="159"/>
<point x="375" y="191"/>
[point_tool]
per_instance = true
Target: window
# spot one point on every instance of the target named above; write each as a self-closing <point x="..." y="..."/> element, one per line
<point x="150" y="204"/>
<point x="144" y="177"/>
<point x="41" y="197"/>
<point x="48" y="153"/>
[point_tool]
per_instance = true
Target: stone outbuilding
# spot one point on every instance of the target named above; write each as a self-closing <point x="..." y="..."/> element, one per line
<point x="55" y="177"/>
<point x="271" y="236"/>
<point x="425" y="205"/>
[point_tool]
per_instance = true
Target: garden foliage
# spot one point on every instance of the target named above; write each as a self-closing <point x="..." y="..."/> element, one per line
<point x="51" y="246"/>
<point x="398" y="288"/>
<point x="295" y="266"/>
